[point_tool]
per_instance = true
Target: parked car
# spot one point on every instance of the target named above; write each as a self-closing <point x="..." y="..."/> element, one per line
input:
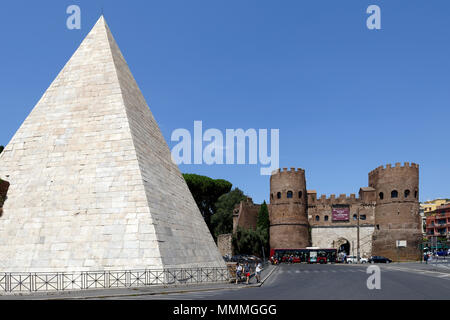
<point x="243" y="258"/>
<point x="379" y="259"/>
<point x="442" y="253"/>
<point x="354" y="259"/>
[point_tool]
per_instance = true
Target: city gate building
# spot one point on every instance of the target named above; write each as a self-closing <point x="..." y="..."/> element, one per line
<point x="383" y="220"/>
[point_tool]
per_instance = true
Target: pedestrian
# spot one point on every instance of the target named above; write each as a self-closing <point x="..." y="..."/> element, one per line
<point x="247" y="272"/>
<point x="258" y="272"/>
<point x="425" y="258"/>
<point x="238" y="272"/>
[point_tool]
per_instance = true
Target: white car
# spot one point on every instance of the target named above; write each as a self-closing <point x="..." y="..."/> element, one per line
<point x="354" y="259"/>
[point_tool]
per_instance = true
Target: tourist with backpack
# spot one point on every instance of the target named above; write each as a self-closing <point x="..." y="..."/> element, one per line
<point x="238" y="272"/>
<point x="247" y="272"/>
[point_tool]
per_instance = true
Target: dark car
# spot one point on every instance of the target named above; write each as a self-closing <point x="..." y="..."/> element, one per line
<point x="442" y="253"/>
<point x="379" y="259"/>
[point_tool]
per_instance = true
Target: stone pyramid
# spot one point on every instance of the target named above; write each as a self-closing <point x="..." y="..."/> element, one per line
<point x="92" y="184"/>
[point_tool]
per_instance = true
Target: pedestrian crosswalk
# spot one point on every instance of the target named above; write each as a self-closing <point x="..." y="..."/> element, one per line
<point x="359" y="271"/>
<point x="312" y="271"/>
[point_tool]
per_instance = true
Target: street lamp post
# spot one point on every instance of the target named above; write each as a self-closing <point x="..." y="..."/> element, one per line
<point x="358" y="255"/>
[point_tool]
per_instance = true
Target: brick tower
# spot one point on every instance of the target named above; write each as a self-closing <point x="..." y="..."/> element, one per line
<point x="397" y="211"/>
<point x="288" y="209"/>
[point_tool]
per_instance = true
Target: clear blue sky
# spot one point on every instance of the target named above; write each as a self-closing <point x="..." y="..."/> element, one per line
<point x="346" y="99"/>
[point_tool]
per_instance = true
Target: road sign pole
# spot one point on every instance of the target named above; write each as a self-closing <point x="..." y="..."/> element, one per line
<point x="358" y="253"/>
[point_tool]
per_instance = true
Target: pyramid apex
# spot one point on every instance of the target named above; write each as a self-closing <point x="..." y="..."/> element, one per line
<point x="101" y="20"/>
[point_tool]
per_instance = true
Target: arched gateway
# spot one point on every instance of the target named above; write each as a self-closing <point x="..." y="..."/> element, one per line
<point x="342" y="245"/>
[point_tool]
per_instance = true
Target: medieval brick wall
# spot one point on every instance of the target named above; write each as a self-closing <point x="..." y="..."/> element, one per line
<point x="320" y="210"/>
<point x="245" y="215"/>
<point x="328" y="233"/>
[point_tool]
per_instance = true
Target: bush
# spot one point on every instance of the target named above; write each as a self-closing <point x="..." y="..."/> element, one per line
<point x="249" y="241"/>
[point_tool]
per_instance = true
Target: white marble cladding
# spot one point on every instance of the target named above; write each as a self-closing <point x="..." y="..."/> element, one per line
<point x="333" y="237"/>
<point x="92" y="184"/>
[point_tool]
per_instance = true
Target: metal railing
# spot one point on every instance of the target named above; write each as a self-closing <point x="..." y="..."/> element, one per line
<point x="68" y="281"/>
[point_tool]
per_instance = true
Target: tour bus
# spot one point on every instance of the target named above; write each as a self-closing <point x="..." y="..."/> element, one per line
<point x="305" y="255"/>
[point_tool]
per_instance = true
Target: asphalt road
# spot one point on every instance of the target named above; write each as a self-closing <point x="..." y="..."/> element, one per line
<point x="301" y="281"/>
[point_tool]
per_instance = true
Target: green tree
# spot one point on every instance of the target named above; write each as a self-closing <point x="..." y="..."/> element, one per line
<point x="263" y="217"/>
<point x="222" y="219"/>
<point x="206" y="191"/>
<point x="4" y="185"/>
<point x="262" y="227"/>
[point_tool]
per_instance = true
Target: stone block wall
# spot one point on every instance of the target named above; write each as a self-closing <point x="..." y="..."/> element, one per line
<point x="224" y="243"/>
<point x="333" y="237"/>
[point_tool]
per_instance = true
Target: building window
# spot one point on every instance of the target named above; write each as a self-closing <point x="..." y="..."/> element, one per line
<point x="289" y="194"/>
<point x="378" y="227"/>
<point x="355" y="217"/>
<point x="317" y="218"/>
<point x="415" y="194"/>
<point x="300" y="194"/>
<point x="362" y="217"/>
<point x="394" y="194"/>
<point x="407" y="192"/>
<point x="279" y="195"/>
<point x="271" y="195"/>
<point x="326" y="218"/>
<point x="381" y="195"/>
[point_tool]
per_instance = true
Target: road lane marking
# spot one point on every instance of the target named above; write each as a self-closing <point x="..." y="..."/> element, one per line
<point x="421" y="272"/>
